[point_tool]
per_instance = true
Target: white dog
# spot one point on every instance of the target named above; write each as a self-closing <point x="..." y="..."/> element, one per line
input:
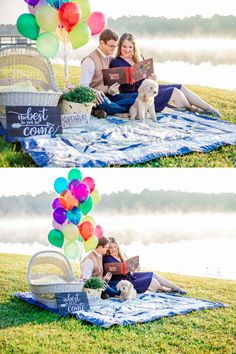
<point x="127" y="290"/>
<point x="144" y="102"/>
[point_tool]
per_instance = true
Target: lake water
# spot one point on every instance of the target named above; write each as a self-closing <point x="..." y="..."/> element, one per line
<point x="194" y="244"/>
<point x="198" y="61"/>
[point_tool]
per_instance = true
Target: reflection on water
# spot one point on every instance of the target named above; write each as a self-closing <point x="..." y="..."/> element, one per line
<point x="197" y="244"/>
<point x="199" y="61"/>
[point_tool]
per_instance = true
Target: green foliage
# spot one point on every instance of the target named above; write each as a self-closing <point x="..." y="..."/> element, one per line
<point x="28" y="329"/>
<point x="80" y="94"/>
<point x="94" y="283"/>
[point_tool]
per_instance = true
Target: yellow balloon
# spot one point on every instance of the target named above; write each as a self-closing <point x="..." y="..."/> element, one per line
<point x="80" y="35"/>
<point x="85" y="8"/>
<point x="91" y="243"/>
<point x="70" y="232"/>
<point x="47" y="18"/>
<point x="90" y="219"/>
<point x="96" y="196"/>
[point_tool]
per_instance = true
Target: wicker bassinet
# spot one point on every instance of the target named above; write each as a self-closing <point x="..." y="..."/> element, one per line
<point x="49" y="272"/>
<point x="24" y="63"/>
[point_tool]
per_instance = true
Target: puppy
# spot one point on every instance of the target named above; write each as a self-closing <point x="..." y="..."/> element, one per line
<point x="144" y="102"/>
<point x="127" y="290"/>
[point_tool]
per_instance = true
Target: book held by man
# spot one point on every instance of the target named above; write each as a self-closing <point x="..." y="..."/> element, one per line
<point x="122" y="267"/>
<point x="128" y="75"/>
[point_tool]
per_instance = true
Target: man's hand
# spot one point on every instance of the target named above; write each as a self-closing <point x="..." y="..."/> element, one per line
<point x="114" y="89"/>
<point x="107" y="277"/>
<point x="100" y="97"/>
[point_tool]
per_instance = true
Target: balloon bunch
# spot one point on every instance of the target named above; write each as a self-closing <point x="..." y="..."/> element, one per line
<point x="52" y="20"/>
<point x="74" y="230"/>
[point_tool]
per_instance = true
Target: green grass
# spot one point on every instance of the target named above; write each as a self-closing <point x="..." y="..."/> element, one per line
<point x="28" y="329"/>
<point x="11" y="155"/>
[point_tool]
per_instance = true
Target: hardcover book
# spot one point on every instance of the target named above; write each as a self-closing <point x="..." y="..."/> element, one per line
<point x="122" y="267"/>
<point x="128" y="75"/>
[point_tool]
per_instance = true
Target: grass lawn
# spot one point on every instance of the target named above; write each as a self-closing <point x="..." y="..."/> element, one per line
<point x="11" y="155"/>
<point x="28" y="329"/>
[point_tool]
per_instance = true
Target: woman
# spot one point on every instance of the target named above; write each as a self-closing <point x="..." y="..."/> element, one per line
<point x="173" y="95"/>
<point x="141" y="281"/>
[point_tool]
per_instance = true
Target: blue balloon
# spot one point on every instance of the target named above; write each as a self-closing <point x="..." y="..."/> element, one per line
<point x="56" y="3"/>
<point x="74" y="215"/>
<point x="61" y="184"/>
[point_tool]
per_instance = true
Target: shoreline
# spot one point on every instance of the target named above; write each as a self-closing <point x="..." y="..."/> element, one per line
<point x="201" y="276"/>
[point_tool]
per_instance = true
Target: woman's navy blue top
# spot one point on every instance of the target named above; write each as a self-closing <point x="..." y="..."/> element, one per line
<point x="164" y="93"/>
<point x="140" y="280"/>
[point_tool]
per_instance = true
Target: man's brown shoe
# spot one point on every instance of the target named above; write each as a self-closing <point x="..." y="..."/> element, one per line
<point x="99" y="113"/>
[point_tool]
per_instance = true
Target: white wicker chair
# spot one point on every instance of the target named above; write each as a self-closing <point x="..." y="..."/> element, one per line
<point x="49" y="272"/>
<point x="24" y="63"/>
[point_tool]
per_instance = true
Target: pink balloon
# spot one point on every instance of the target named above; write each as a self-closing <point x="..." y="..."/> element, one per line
<point x="98" y="231"/>
<point x="57" y="226"/>
<point x="96" y="22"/>
<point x="34" y="9"/>
<point x="81" y="192"/>
<point x="90" y="183"/>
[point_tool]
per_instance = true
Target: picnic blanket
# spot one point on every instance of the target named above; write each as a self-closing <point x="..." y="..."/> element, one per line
<point x="116" y="141"/>
<point x="147" y="307"/>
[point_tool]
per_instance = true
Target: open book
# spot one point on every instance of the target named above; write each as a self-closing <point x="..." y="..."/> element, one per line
<point x="128" y="75"/>
<point x="122" y="267"/>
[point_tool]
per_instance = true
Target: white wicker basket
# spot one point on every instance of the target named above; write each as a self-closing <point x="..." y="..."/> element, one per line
<point x="49" y="272"/>
<point x="24" y="63"/>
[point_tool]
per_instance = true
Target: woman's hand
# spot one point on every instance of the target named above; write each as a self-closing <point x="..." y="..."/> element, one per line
<point x="153" y="77"/>
<point x="113" y="89"/>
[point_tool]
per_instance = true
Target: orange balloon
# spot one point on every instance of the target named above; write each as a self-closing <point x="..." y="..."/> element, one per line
<point x="67" y="200"/>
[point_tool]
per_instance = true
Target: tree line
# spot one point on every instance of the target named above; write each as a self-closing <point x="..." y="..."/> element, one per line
<point x="145" y="26"/>
<point x="146" y="202"/>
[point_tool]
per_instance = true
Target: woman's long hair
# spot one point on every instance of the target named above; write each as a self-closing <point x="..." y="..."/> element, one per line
<point x="129" y="37"/>
<point x="120" y="253"/>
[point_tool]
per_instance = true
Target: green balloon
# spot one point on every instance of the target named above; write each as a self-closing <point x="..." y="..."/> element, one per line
<point x="80" y="35"/>
<point x="56" y="238"/>
<point x="84" y="7"/>
<point x="47" y="44"/>
<point x="27" y="26"/>
<point x="71" y="250"/>
<point x="74" y="174"/>
<point x="87" y="206"/>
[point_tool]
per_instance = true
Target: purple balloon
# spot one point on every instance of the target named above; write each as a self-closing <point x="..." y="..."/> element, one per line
<point x="56" y="203"/>
<point x="32" y="2"/>
<point x="33" y="9"/>
<point x="59" y="215"/>
<point x="72" y="185"/>
<point x="82" y="192"/>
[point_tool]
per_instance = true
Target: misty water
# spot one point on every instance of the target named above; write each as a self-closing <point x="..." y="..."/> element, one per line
<point x="195" y="244"/>
<point x="198" y="61"/>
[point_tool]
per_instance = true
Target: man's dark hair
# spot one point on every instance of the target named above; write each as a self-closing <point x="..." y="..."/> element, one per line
<point x="107" y="35"/>
<point x="103" y="241"/>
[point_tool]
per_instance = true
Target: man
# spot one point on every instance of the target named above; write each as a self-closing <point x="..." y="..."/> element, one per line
<point x="92" y="265"/>
<point x="108" y="99"/>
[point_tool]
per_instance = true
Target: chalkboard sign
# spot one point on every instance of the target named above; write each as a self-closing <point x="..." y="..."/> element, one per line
<point x="71" y="302"/>
<point x="24" y="121"/>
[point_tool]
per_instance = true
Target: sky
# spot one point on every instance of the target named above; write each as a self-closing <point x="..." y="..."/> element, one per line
<point x="11" y="9"/>
<point x="16" y="181"/>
